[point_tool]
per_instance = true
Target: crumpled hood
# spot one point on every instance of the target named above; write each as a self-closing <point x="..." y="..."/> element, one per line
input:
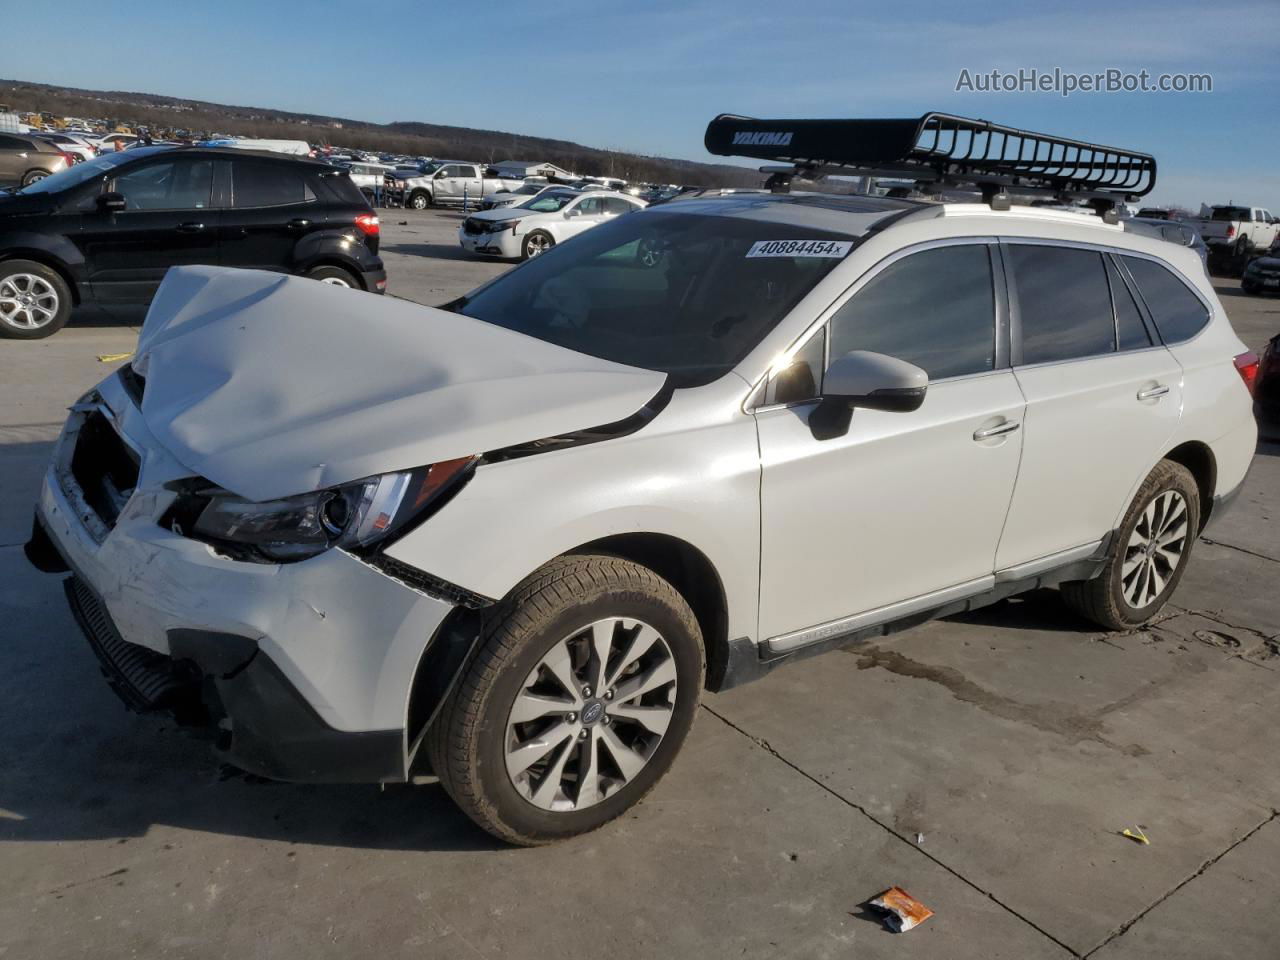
<point x="273" y="385"/>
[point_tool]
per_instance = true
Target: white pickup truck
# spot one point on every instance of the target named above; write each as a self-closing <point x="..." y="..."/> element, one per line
<point x="1235" y="232"/>
<point x="455" y="184"/>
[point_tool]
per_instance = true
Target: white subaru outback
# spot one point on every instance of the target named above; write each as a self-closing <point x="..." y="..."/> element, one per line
<point x="514" y="538"/>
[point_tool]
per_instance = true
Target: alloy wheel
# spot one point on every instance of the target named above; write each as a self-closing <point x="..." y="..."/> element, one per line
<point x="1155" y="549"/>
<point x="336" y="282"/>
<point x="27" y="301"/>
<point x="589" y="717"/>
<point x="537" y="244"/>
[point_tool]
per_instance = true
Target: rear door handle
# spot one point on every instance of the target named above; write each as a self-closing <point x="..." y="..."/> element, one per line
<point x="299" y="224"/>
<point x="1000" y="429"/>
<point x="1153" y="393"/>
<point x="190" y="227"/>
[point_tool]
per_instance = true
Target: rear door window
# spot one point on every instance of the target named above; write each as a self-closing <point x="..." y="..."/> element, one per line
<point x="261" y="183"/>
<point x="1064" y="303"/>
<point x="934" y="308"/>
<point x="1131" y="332"/>
<point x="1179" y="314"/>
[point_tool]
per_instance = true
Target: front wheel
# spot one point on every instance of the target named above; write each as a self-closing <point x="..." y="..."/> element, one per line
<point x="584" y="686"/>
<point x="536" y="244"/>
<point x="35" y="302"/>
<point x="420" y="200"/>
<point x="1148" y="555"/>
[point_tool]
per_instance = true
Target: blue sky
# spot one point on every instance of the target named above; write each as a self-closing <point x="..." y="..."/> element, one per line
<point x="647" y="76"/>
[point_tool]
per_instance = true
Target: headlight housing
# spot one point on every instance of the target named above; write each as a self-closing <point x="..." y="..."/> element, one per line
<point x="497" y="226"/>
<point x="361" y="516"/>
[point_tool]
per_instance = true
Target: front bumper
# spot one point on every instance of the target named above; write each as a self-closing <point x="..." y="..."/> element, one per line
<point x="501" y="244"/>
<point x="311" y="663"/>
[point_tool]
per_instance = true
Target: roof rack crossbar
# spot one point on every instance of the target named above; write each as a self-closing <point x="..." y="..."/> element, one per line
<point x="938" y="146"/>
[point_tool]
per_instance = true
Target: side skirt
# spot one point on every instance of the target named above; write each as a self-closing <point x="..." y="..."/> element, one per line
<point x="747" y="660"/>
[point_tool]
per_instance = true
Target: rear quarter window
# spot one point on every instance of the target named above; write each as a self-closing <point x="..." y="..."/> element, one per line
<point x="1178" y="313"/>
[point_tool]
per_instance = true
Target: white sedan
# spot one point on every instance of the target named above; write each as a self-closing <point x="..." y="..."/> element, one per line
<point x="537" y="225"/>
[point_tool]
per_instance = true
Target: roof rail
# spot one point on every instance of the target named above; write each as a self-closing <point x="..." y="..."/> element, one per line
<point x="940" y="149"/>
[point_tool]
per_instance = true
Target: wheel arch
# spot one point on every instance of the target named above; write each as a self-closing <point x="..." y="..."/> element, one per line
<point x="1198" y="458"/>
<point x="49" y="260"/>
<point x="687" y="569"/>
<point x="332" y="260"/>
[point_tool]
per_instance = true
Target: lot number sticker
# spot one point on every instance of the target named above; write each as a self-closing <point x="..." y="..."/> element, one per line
<point x="833" y="249"/>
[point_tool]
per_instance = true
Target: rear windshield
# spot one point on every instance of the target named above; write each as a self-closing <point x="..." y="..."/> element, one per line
<point x="1230" y="213"/>
<point x="686" y="294"/>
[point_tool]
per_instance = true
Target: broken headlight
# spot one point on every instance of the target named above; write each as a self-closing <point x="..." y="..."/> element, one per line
<point x="355" y="516"/>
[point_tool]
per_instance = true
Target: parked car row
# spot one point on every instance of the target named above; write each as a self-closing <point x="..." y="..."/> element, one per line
<point x="528" y="229"/>
<point x="107" y="230"/>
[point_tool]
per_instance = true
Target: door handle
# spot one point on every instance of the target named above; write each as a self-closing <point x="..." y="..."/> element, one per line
<point x="190" y="227"/>
<point x="1153" y="393"/>
<point x="999" y="430"/>
<point x="299" y="224"/>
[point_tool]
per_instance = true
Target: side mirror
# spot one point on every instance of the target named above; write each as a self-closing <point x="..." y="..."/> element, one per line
<point x="864" y="379"/>
<point x="573" y="212"/>
<point x="111" y="202"/>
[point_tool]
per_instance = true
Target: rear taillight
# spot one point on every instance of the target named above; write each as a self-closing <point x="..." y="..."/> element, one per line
<point x="1247" y="367"/>
<point x="1231" y="231"/>
<point x="367" y="223"/>
<point x="71" y="158"/>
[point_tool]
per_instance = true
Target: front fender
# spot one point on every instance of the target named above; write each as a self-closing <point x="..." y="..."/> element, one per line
<point x="51" y="248"/>
<point x="700" y="486"/>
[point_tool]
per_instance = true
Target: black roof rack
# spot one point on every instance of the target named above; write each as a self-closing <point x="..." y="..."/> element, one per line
<point x="938" y="148"/>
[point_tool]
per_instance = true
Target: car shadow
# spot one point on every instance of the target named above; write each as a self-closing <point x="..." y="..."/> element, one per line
<point x="438" y="251"/>
<point x="1042" y="609"/>
<point x="115" y="315"/>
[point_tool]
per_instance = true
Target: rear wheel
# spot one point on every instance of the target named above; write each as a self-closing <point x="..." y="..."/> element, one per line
<point x="1148" y="555"/>
<point x="32" y="176"/>
<point x="35" y="302"/>
<point x="536" y="243"/>
<point x="583" y="688"/>
<point x="334" y="276"/>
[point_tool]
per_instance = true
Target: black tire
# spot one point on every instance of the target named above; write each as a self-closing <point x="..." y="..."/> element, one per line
<point x="335" y="276"/>
<point x="31" y="176"/>
<point x="468" y="741"/>
<point x="419" y="200"/>
<point x="1103" y="599"/>
<point x="16" y="328"/>
<point x="536" y="236"/>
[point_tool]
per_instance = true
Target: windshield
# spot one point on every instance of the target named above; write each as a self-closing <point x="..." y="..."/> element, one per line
<point x="682" y="293"/>
<point x="531" y="188"/>
<point x="548" y="202"/>
<point x="1230" y="213"/>
<point x="74" y="176"/>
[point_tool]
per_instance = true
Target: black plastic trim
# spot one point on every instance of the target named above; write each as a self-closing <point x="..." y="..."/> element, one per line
<point x="41" y="552"/>
<point x="744" y="660"/>
<point x="427" y="583"/>
<point x="608" y="431"/>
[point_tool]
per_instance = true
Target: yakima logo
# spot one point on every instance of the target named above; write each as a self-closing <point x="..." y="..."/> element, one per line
<point x="768" y="138"/>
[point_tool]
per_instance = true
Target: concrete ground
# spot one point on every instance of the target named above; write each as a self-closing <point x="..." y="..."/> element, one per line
<point x="987" y="763"/>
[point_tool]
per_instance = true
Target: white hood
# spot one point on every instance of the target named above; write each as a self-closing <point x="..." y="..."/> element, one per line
<point x="273" y="385"/>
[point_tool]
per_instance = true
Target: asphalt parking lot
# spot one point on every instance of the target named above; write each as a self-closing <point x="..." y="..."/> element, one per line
<point x="987" y="763"/>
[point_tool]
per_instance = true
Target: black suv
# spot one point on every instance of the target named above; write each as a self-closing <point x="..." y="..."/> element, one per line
<point x="106" y="230"/>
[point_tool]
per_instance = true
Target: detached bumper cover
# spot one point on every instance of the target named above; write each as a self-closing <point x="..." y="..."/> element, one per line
<point x="264" y="724"/>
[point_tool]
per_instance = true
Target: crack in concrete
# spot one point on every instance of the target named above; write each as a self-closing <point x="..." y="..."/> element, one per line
<point x="1227" y="623"/>
<point x="1245" y="550"/>
<point x="909" y="841"/>
<point x="1125" y="927"/>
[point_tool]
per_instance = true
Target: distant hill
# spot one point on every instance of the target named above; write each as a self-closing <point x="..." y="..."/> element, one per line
<point x="169" y="116"/>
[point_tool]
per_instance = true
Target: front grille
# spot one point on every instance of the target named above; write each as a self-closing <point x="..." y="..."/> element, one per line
<point x="143" y="679"/>
<point x="104" y="466"/>
<point x="472" y="227"/>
